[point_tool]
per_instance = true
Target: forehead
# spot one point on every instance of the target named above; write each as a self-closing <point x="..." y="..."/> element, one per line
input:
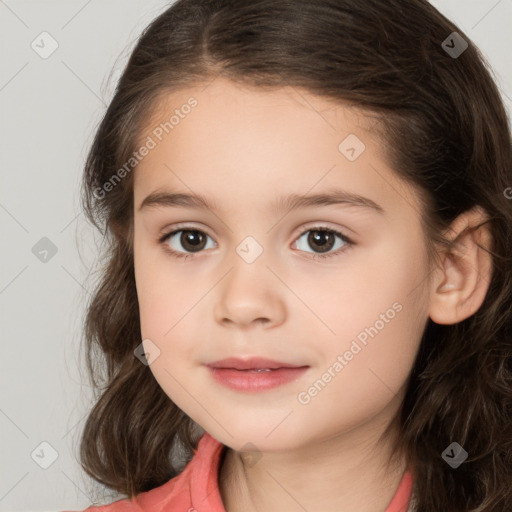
<point x="251" y="142"/>
<point x="240" y="100"/>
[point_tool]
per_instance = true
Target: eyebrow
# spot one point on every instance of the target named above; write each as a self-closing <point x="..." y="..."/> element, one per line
<point x="291" y="202"/>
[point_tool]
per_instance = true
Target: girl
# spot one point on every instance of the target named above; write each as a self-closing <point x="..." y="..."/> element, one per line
<point x="306" y="298"/>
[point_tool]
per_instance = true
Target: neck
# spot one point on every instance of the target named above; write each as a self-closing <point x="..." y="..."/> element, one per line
<point x="341" y="473"/>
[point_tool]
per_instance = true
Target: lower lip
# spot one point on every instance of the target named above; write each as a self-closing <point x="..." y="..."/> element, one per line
<point x="244" y="380"/>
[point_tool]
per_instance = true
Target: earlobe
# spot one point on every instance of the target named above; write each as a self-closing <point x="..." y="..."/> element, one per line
<point x="460" y="283"/>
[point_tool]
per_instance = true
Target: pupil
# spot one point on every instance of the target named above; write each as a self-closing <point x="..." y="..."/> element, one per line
<point x="192" y="240"/>
<point x="321" y="238"/>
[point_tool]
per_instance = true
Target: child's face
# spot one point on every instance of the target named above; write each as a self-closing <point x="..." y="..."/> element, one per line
<point x="244" y="150"/>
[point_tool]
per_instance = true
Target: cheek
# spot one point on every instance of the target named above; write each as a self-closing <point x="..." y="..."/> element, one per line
<point x="165" y="319"/>
<point x="379" y="357"/>
<point x="163" y="293"/>
<point x="373" y="280"/>
<point x="366" y="369"/>
<point x="164" y="301"/>
<point x="378" y="311"/>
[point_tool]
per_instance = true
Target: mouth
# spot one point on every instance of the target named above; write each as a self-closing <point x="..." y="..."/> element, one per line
<point x="254" y="374"/>
<point x="254" y="364"/>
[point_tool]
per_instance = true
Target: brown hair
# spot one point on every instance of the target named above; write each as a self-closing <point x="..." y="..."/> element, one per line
<point x="446" y="132"/>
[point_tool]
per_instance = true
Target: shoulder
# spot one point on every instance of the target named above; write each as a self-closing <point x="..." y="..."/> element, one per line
<point x="196" y="485"/>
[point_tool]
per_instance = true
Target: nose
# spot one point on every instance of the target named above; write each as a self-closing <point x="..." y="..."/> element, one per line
<point x="250" y="294"/>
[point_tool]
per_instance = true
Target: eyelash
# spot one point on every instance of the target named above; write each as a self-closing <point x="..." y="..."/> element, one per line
<point x="316" y="256"/>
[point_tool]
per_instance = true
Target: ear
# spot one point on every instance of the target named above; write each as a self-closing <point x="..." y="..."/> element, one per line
<point x="459" y="285"/>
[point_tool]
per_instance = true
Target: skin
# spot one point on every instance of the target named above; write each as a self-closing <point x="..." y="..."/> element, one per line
<point x="243" y="148"/>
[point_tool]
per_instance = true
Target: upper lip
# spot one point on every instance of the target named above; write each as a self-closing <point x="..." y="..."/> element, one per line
<point x="251" y="363"/>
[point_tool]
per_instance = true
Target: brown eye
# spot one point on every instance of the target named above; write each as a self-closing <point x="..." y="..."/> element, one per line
<point x="321" y="239"/>
<point x="190" y="240"/>
<point x="184" y="243"/>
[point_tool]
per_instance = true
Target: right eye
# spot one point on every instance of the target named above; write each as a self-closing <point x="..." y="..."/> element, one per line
<point x="192" y="240"/>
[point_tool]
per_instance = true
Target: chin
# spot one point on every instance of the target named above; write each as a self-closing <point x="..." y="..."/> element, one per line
<point x="257" y="440"/>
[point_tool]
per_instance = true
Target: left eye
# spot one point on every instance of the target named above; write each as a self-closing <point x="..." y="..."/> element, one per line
<point x="194" y="241"/>
<point x="324" y="239"/>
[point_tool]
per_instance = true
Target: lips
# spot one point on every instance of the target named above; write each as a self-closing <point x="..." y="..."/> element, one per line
<point x="255" y="374"/>
<point x="252" y="363"/>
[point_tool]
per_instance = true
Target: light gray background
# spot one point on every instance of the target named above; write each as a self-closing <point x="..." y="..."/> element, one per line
<point x="49" y="110"/>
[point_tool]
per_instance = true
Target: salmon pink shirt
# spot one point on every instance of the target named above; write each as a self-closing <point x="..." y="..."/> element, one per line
<point x="196" y="489"/>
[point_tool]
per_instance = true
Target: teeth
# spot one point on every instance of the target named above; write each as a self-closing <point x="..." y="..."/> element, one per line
<point x="260" y="370"/>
